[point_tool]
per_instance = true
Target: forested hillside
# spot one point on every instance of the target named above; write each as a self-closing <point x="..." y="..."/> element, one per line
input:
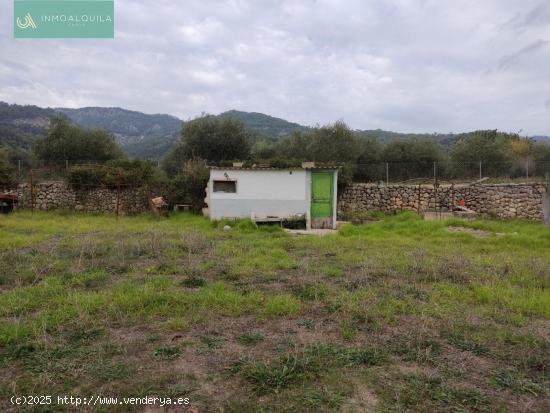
<point x="21" y="125"/>
<point x="265" y="125"/>
<point x="140" y="135"/>
<point x="146" y="136"/>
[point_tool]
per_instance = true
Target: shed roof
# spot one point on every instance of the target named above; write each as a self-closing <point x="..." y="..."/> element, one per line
<point x="274" y="168"/>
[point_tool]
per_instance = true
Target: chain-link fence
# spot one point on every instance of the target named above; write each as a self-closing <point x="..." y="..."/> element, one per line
<point x="391" y="172"/>
<point x="388" y="172"/>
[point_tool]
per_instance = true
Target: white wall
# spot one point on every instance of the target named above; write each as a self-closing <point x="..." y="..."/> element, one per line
<point x="281" y="193"/>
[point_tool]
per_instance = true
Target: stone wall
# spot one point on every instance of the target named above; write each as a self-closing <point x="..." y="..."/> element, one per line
<point x="59" y="195"/>
<point x="497" y="200"/>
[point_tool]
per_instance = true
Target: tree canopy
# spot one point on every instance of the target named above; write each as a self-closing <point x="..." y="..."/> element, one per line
<point x="211" y="138"/>
<point x="64" y="141"/>
<point x="7" y="171"/>
<point x="491" y="148"/>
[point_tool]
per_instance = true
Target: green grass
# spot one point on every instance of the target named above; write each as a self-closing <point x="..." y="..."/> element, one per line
<point x="399" y="314"/>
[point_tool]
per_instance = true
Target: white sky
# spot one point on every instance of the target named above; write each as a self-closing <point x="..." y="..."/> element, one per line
<point x="402" y="65"/>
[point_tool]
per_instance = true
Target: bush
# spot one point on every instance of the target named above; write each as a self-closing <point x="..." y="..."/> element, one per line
<point x="86" y="176"/>
<point x="134" y="174"/>
<point x="189" y="186"/>
<point x="65" y="141"/>
<point x="7" y="172"/>
<point x="123" y="173"/>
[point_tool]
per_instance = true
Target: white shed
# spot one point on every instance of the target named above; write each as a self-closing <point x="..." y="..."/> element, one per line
<point x="264" y="193"/>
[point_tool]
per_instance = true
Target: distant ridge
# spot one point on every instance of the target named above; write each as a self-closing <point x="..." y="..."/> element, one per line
<point x="140" y="135"/>
<point x="150" y="136"/>
<point x="265" y="125"/>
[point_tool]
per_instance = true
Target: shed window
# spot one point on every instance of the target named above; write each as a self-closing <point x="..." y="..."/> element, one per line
<point x="225" y="186"/>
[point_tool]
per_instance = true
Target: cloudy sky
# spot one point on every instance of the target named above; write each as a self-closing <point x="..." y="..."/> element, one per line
<point x="402" y="65"/>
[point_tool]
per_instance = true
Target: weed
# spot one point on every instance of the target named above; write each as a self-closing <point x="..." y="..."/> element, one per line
<point x="348" y="330"/>
<point x="211" y="342"/>
<point x="193" y="282"/>
<point x="461" y="343"/>
<point x="418" y="348"/>
<point x="250" y="339"/>
<point x="420" y="392"/>
<point x="305" y="365"/>
<point x="281" y="305"/>
<point x="311" y="292"/>
<point x="307" y="324"/>
<point x="167" y="352"/>
<point x="511" y="378"/>
<point x="280" y="373"/>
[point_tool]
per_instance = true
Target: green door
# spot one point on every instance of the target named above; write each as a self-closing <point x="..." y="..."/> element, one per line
<point x="321" y="194"/>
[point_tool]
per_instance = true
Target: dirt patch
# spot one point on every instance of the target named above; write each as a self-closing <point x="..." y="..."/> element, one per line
<point x="479" y="233"/>
<point x="364" y="400"/>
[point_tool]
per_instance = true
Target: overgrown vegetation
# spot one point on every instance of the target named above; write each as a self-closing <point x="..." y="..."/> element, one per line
<point x="7" y="171"/>
<point x="116" y="173"/>
<point x="67" y="150"/>
<point x="64" y="141"/>
<point x="399" y="314"/>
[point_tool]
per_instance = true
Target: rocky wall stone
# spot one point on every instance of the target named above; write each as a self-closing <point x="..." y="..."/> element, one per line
<point x="59" y="195"/>
<point x="496" y="200"/>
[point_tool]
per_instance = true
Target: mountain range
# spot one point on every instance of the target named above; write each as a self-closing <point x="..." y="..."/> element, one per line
<point x="150" y="136"/>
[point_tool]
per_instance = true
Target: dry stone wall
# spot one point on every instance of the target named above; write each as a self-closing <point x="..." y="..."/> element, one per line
<point x="59" y="195"/>
<point x="497" y="200"/>
<point x="529" y="201"/>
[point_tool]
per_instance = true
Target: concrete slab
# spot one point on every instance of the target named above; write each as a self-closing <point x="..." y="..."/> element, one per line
<point x="318" y="232"/>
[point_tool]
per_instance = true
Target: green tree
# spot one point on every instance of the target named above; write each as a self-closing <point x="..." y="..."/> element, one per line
<point x="7" y="171"/>
<point x="541" y="155"/>
<point x="172" y="163"/>
<point x="334" y="143"/>
<point x="369" y="165"/>
<point x="211" y="138"/>
<point x="188" y="187"/>
<point x="491" y="148"/>
<point x="414" y="158"/>
<point x="295" y="146"/>
<point x="64" y="141"/>
<point x="263" y="149"/>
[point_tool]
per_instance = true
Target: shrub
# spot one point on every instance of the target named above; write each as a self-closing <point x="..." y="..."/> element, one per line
<point x="123" y="173"/>
<point x="189" y="186"/>
<point x="86" y="176"/>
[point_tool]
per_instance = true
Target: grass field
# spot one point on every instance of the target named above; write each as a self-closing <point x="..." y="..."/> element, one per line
<point x="400" y="315"/>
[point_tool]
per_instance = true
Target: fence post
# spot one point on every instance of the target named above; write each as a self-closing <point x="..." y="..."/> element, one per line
<point x="480" y="174"/>
<point x="118" y="192"/>
<point x="387" y="174"/>
<point x="527" y="169"/>
<point x="452" y="197"/>
<point x="435" y="171"/>
<point x="66" y="164"/>
<point x="31" y="190"/>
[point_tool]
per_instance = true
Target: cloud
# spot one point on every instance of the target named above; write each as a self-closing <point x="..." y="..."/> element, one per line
<point x="537" y="15"/>
<point x="391" y="64"/>
<point x="506" y="61"/>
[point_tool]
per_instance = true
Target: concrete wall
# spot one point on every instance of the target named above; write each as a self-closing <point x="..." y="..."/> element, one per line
<point x="498" y="200"/>
<point x="59" y="195"/>
<point x="281" y="193"/>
